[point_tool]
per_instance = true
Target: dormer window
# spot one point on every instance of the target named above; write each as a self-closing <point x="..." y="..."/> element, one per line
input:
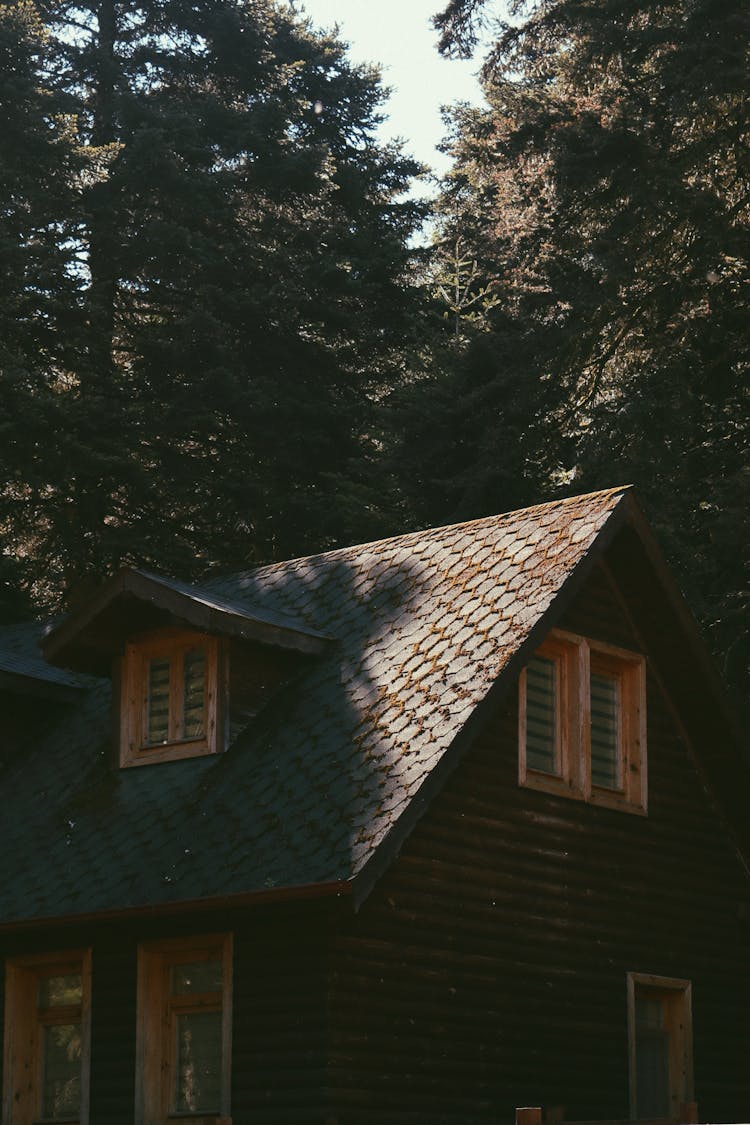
<point x="169" y="647"/>
<point x="170" y="682"/>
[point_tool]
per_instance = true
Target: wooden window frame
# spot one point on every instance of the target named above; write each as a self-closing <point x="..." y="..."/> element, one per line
<point x="630" y="670"/>
<point x="170" y="644"/>
<point x="154" y="1047"/>
<point x="575" y="656"/>
<point x="22" y="1041"/>
<point x="677" y="994"/>
<point x="568" y="664"/>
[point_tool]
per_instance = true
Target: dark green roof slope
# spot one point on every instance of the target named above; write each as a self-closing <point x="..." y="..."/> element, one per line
<point x="22" y="668"/>
<point x="136" y="601"/>
<point x="425" y="624"/>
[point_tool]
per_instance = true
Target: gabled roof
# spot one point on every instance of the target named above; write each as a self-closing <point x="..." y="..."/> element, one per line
<point x="135" y="600"/>
<point x="324" y="785"/>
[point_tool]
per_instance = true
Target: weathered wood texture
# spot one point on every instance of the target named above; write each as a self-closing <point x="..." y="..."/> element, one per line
<point x="488" y="969"/>
<point x="280" y="1017"/>
<point x="279" y="1004"/>
<point x="113" y="1028"/>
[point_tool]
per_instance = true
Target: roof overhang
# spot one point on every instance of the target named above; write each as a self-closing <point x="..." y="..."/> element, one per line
<point x="134" y="601"/>
<point x="333" y="889"/>
<point x="38" y="685"/>
<point x="684" y="667"/>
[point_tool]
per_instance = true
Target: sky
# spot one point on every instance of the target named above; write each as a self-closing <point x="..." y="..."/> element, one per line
<point x="397" y="34"/>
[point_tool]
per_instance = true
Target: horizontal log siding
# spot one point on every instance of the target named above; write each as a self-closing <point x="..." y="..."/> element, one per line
<point x="113" y="993"/>
<point x="280" y="1012"/>
<point x="487" y="970"/>
<point x="279" y="1008"/>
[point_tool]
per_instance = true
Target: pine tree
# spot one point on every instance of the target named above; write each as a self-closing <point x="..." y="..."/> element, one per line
<point x="606" y="195"/>
<point x="41" y="166"/>
<point x="245" y="287"/>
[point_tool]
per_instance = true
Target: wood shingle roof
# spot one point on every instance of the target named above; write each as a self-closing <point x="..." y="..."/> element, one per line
<point x="336" y="766"/>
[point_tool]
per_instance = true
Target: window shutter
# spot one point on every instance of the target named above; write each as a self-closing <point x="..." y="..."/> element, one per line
<point x="542" y="693"/>
<point x="605" y="749"/>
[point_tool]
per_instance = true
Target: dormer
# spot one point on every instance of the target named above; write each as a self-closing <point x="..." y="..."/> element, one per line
<point x="170" y="687"/>
<point x="189" y="668"/>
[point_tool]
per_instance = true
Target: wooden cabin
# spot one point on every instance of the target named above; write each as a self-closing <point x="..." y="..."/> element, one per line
<point x="420" y="831"/>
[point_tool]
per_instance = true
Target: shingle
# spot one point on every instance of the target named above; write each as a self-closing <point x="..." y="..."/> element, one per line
<point x="425" y="622"/>
<point x="20" y="656"/>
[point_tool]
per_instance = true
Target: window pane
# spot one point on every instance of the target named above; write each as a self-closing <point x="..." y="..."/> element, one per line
<point x="198" y="1071"/>
<point x="193" y="712"/>
<point x="542" y="692"/>
<point x="605" y="758"/>
<point x="61" y="1071"/>
<point x="652" y="1073"/>
<point x="649" y="1012"/>
<point x="60" y="991"/>
<point x="196" y="976"/>
<point x="157" y="727"/>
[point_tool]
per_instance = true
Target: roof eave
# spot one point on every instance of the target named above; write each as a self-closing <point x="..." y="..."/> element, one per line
<point x="627" y="514"/>
<point x="21" y="683"/>
<point x="342" y="888"/>
<point x="701" y="656"/>
<point x="69" y="644"/>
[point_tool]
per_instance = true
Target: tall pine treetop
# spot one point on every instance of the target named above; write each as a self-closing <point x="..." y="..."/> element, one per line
<point x="241" y="288"/>
<point x="603" y="200"/>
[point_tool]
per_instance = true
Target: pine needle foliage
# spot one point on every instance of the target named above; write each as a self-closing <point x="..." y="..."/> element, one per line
<point x="605" y="197"/>
<point x="235" y="260"/>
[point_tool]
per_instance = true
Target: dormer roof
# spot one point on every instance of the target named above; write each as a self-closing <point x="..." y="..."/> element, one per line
<point x="135" y="601"/>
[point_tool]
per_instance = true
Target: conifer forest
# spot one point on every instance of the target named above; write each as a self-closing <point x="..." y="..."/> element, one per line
<point x="229" y="334"/>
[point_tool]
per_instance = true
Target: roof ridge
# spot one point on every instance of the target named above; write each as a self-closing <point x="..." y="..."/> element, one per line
<point x="623" y="489"/>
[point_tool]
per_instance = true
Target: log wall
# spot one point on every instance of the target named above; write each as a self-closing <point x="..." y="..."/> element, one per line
<point x="488" y="968"/>
<point x="279" y="1008"/>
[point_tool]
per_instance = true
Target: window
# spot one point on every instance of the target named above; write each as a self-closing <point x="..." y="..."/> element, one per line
<point x="184" y="1031"/>
<point x="47" y="1034"/>
<point x="169" y="698"/>
<point x="661" y="1050"/>
<point x="582" y="722"/>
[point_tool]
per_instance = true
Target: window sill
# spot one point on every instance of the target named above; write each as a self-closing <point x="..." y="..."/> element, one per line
<point x="169" y="752"/>
<point x="560" y="787"/>
<point x="550" y="783"/>
<point x="613" y="799"/>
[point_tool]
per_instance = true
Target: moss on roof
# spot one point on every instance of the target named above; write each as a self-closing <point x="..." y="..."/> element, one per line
<point x="426" y="622"/>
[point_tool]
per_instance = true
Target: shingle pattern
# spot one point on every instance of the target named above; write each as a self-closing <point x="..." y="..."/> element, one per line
<point x="213" y="600"/>
<point x="19" y="655"/>
<point x="426" y="623"/>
